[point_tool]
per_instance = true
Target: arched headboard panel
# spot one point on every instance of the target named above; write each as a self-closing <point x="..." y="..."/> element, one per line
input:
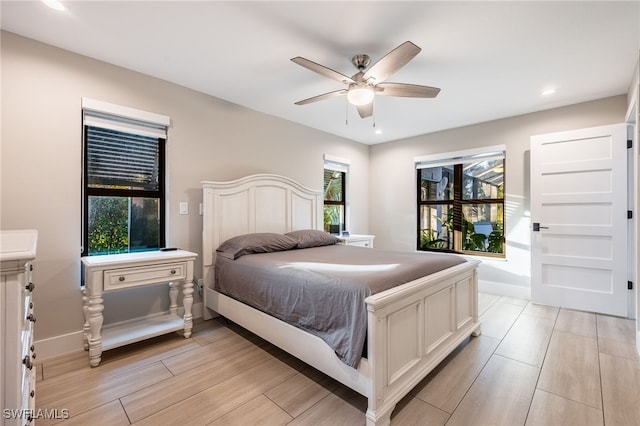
<point x="257" y="203"/>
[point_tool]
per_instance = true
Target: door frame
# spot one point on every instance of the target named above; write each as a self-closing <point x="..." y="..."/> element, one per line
<point x="633" y="121"/>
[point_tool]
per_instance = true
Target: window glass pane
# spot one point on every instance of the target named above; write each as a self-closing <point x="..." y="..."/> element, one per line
<point x="333" y="218"/>
<point x="145" y="224"/>
<point x="482" y="227"/>
<point x="436" y="227"/>
<point x="122" y="160"/>
<point x="483" y="179"/>
<point x="436" y="183"/>
<point x="123" y="224"/>
<point x="333" y="184"/>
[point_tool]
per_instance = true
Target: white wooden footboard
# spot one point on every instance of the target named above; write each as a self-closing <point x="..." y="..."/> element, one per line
<point x="412" y="328"/>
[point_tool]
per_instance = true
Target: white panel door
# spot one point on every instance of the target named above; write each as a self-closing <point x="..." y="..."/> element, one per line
<point x="579" y="217"/>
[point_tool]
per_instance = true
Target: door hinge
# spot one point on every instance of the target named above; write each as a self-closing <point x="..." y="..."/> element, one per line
<point x="629" y="214"/>
<point x="629" y="143"/>
<point x="629" y="285"/>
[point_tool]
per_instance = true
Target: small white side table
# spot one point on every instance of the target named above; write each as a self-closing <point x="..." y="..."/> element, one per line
<point x="117" y="272"/>
<point x="357" y="240"/>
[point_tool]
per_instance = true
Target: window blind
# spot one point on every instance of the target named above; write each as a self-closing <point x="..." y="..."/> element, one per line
<point x="336" y="163"/>
<point x="122" y="146"/>
<point x="460" y="157"/>
<point x="117" y="159"/>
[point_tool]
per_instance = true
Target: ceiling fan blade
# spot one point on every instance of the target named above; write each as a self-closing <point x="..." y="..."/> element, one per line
<point x="365" y="110"/>
<point x="322" y="70"/>
<point x="407" y="90"/>
<point x="323" y="97"/>
<point x="392" y="62"/>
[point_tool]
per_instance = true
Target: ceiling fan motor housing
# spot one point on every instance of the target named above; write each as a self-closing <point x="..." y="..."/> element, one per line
<point x="361" y="61"/>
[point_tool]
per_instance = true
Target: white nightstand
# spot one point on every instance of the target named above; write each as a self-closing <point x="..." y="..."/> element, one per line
<point x="357" y="240"/>
<point x="116" y="272"/>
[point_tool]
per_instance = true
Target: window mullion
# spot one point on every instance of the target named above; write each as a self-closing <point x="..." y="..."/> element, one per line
<point x="116" y="192"/>
<point x="457" y="207"/>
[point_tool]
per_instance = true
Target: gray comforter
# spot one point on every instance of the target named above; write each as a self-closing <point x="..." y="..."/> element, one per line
<point x="322" y="289"/>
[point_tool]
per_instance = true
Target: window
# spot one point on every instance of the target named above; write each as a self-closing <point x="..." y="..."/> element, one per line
<point x="123" y="179"/>
<point x="335" y="194"/>
<point x="461" y="202"/>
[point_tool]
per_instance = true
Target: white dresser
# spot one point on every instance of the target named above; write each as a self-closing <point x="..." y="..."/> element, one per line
<point x="17" y="374"/>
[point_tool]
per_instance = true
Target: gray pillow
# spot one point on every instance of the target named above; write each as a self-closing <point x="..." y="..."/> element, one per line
<point x="262" y="242"/>
<point x="307" y="238"/>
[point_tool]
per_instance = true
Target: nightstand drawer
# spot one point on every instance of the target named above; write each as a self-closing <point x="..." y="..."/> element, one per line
<point x="357" y="240"/>
<point x="361" y="243"/>
<point x="144" y="275"/>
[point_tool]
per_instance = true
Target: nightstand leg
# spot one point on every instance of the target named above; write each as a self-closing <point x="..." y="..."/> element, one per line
<point x="86" y="330"/>
<point x="187" y="300"/>
<point x="95" y="323"/>
<point x="173" y="297"/>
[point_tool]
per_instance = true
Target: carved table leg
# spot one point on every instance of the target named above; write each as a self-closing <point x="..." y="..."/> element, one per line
<point x="187" y="300"/>
<point x="173" y="297"/>
<point x="95" y="323"/>
<point x="86" y="330"/>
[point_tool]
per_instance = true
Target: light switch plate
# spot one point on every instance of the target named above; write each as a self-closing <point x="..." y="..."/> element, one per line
<point x="184" y="207"/>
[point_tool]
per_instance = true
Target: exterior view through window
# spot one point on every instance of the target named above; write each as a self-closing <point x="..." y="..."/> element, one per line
<point x="461" y="206"/>
<point x="334" y="201"/>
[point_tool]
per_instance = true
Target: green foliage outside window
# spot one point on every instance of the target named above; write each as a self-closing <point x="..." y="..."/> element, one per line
<point x="334" y="201"/>
<point x="108" y="225"/>
<point x="123" y="224"/>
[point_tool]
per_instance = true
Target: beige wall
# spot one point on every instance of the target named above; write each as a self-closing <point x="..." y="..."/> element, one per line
<point x="209" y="139"/>
<point x="393" y="179"/>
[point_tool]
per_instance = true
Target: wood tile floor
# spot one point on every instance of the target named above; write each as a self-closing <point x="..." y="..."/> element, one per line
<point x="532" y="365"/>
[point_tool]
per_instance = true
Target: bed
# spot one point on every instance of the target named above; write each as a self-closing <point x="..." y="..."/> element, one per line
<point x="410" y="328"/>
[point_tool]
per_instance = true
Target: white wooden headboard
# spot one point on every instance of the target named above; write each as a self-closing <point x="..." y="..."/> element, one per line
<point x="257" y="203"/>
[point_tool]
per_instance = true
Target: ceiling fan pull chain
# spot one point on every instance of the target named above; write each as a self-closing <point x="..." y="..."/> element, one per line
<point x="346" y="113"/>
<point x="374" y="112"/>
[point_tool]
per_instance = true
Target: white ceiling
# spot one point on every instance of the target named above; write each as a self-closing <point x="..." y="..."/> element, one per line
<point x="491" y="59"/>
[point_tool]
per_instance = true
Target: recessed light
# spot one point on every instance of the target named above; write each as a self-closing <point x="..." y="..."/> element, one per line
<point x="378" y="131"/>
<point x="548" y="92"/>
<point x="54" y="4"/>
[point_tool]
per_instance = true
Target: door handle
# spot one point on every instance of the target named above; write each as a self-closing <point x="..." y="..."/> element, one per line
<point x="537" y="227"/>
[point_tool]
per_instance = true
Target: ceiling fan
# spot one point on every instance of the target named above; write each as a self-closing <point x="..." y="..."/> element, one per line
<point x="366" y="83"/>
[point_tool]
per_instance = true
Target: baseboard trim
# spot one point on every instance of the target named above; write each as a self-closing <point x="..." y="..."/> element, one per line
<point x="504" y="289"/>
<point x="53" y="347"/>
<point x="56" y="346"/>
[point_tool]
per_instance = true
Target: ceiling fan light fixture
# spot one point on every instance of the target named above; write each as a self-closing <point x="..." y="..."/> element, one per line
<point x="360" y="95"/>
<point x="54" y="4"/>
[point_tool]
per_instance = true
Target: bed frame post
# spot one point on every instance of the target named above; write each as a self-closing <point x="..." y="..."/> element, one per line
<point x="412" y="328"/>
<point x="376" y="415"/>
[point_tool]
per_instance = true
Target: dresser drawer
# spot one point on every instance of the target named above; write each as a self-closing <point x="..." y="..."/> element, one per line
<point x="27" y="315"/>
<point x="144" y="275"/>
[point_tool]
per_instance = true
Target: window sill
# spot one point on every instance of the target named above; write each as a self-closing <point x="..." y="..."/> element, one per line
<point x="484" y="258"/>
